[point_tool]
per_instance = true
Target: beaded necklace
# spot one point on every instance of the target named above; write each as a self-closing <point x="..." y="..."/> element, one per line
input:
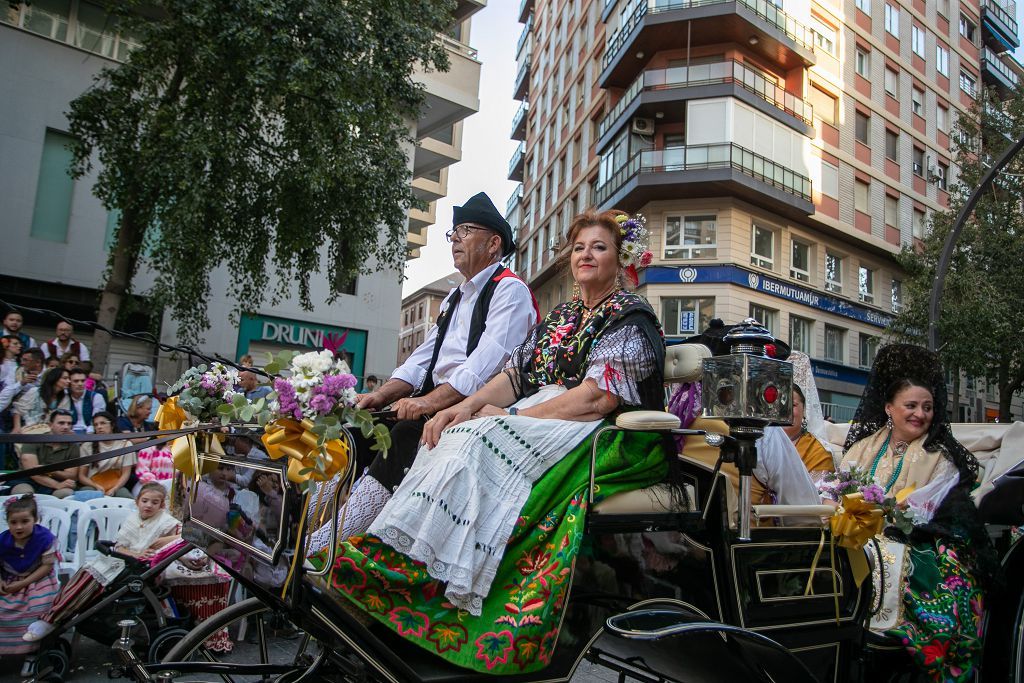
<point x="878" y="459"/>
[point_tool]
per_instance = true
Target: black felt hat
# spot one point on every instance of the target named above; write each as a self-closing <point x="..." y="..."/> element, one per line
<point x="480" y="209"/>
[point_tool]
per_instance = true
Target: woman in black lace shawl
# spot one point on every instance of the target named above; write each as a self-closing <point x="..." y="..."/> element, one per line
<point x="901" y="435"/>
<point x="489" y="518"/>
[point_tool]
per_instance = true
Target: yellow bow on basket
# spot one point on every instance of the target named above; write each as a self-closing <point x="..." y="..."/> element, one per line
<point x="184" y="452"/>
<point x="854" y="523"/>
<point x="297" y="441"/>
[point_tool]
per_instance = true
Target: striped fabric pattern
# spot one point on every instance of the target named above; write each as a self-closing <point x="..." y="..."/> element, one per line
<point x="19" y="610"/>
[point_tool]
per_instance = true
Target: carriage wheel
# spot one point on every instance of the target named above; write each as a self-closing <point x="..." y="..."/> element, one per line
<point x="293" y="660"/>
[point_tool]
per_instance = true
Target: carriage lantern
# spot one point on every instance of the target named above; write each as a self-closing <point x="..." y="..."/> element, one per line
<point x="749" y="390"/>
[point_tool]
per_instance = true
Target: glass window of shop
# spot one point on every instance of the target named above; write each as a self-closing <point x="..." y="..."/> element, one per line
<point x="868" y="349"/>
<point x="688" y="237"/>
<point x="686" y="316"/>
<point x="762" y="247"/>
<point x="833" y="272"/>
<point x="866" y="285"/>
<point x="800" y="263"/>
<point x="768" y="317"/>
<point x="835" y="344"/>
<point x="801" y="334"/>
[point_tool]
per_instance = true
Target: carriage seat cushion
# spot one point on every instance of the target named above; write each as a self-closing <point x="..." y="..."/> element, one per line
<point x="655" y="499"/>
<point x="685" y="362"/>
<point x="647" y="419"/>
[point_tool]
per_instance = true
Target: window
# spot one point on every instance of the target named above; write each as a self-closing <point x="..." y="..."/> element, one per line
<point x="686" y="316"/>
<point x="917" y="101"/>
<point x="918" y="158"/>
<point x="868" y="349"/>
<point x="47" y="18"/>
<point x="943" y="7"/>
<point x="824" y="105"/>
<point x="824" y="36"/>
<point x="942" y="176"/>
<point x="892" y="20"/>
<point x="800" y="262"/>
<point x="917" y="40"/>
<point x="862" y="127"/>
<point x="897" y="296"/>
<point x="767" y="317"/>
<point x="862" y="63"/>
<point x="892" y="144"/>
<point x="892" y="210"/>
<point x="830" y="179"/>
<point x="968" y="83"/>
<point x="942" y="118"/>
<point x="833" y="273"/>
<point x="862" y="196"/>
<point x="892" y="81"/>
<point x="419" y="312"/>
<point x="801" y="334"/>
<point x="920" y="223"/>
<point x="968" y="28"/>
<point x="942" y="60"/>
<point x="866" y="285"/>
<point x="835" y="342"/>
<point x="762" y="247"/>
<point x="690" y="237"/>
<point x="54" y="189"/>
<point x="864" y="6"/>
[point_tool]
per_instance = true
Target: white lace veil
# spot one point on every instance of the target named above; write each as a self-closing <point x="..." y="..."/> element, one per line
<point x="803" y="377"/>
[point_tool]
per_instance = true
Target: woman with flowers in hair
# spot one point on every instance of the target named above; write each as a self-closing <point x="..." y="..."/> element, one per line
<point x="492" y="507"/>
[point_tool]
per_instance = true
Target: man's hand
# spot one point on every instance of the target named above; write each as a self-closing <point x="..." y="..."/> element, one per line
<point x="30" y="377"/>
<point x="414" y="408"/>
<point x="68" y="484"/>
<point x="371" y="401"/>
<point x="442" y="420"/>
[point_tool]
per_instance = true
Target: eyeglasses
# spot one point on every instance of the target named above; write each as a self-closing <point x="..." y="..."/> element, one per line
<point x="460" y="231"/>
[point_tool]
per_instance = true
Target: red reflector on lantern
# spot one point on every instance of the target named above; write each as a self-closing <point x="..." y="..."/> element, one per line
<point x="771" y="393"/>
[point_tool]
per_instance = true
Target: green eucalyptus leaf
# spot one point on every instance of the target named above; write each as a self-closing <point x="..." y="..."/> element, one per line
<point x="272" y="368"/>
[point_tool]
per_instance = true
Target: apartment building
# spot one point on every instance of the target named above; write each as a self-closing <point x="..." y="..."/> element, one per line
<point x="782" y="153"/>
<point x="419" y="313"/>
<point x="57" y="234"/>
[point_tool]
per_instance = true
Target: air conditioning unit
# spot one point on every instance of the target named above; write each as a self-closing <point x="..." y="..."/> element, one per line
<point x="933" y="174"/>
<point x="642" y="126"/>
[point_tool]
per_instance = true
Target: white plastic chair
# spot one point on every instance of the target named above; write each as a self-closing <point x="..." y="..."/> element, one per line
<point x="111" y="502"/>
<point x="58" y="521"/>
<point x="107" y="521"/>
<point x="76" y="511"/>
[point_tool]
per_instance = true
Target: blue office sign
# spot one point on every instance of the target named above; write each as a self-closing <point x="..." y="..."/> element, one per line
<point x="773" y="287"/>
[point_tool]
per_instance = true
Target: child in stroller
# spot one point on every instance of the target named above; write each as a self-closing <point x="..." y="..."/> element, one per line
<point x="125" y="582"/>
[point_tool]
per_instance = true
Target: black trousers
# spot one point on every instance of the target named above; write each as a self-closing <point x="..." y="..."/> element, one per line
<point x="390" y="470"/>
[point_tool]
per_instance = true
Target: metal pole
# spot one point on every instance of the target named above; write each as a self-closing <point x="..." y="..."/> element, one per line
<point x="954" y="234"/>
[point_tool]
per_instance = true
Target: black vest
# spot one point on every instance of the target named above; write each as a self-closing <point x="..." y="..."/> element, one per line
<point x="477" y="324"/>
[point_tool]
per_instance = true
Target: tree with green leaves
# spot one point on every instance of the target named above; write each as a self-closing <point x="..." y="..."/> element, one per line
<point x="271" y="135"/>
<point x="982" y="315"/>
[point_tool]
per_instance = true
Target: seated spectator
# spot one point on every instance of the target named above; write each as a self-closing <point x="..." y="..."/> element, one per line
<point x="69" y="361"/>
<point x="30" y="367"/>
<point x="246" y="361"/>
<point x="245" y="448"/>
<point x="370" y="383"/>
<point x="52" y="362"/>
<point x="109" y="477"/>
<point x="60" y="483"/>
<point x="251" y="386"/>
<point x="12" y="328"/>
<point x="12" y="348"/>
<point x="36" y="402"/>
<point x="136" y="418"/>
<point x="94" y="382"/>
<point x="64" y="342"/>
<point x="155" y="464"/>
<point x="82" y="403"/>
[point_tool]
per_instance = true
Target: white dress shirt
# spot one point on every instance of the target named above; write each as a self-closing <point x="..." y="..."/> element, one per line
<point x="509" y="318"/>
<point x="98" y="404"/>
<point x="58" y="351"/>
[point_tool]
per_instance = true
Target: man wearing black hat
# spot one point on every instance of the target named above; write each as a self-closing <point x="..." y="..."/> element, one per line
<point x="481" y="321"/>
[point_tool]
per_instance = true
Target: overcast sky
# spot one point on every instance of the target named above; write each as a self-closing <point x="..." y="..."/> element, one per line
<point x="486" y="147"/>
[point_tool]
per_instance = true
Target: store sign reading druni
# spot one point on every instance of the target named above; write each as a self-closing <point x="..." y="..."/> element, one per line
<point x="292" y="334"/>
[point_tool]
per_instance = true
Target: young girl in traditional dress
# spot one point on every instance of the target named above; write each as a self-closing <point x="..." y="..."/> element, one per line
<point x="142" y="533"/>
<point x="28" y="582"/>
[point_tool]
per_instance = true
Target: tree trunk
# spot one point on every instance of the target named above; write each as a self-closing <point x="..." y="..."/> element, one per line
<point x="123" y="263"/>
<point x="1007" y="388"/>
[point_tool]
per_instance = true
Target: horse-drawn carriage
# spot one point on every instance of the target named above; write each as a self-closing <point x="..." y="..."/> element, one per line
<point x="671" y="585"/>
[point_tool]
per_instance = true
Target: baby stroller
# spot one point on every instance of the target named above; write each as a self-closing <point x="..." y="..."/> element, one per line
<point x="134" y="594"/>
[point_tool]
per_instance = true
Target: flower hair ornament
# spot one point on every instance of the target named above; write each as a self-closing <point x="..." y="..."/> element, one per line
<point x="635" y="252"/>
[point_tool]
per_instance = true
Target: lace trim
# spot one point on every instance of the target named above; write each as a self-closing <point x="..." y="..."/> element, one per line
<point x="458" y="591"/>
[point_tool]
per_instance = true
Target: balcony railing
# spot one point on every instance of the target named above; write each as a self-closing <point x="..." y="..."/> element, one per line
<point x="793" y="29"/>
<point x="524" y="7"/>
<point x="1003" y="14"/>
<point x="730" y="71"/>
<point x="524" y="36"/>
<point x="996" y="63"/>
<point x="517" y="160"/>
<point x="514" y="199"/>
<point x="522" y="86"/>
<point x="708" y="157"/>
<point x="840" y="414"/>
<point x="457" y="47"/>
<point x="518" y="119"/>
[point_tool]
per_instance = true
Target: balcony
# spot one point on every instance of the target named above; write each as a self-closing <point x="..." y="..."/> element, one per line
<point x="717" y="170"/>
<point x="522" y="87"/>
<point x="519" y="122"/>
<point x="999" y="25"/>
<point x="514" y="200"/>
<point x="432" y="155"/>
<point x="995" y="71"/>
<point x="524" y="37"/>
<point x="666" y="91"/>
<point x="765" y="29"/>
<point x="515" y="166"/>
<point x="525" y="8"/>
<point x="451" y="95"/>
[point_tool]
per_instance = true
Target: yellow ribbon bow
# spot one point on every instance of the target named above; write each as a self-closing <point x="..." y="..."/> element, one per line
<point x="855" y="523"/>
<point x="285" y="437"/>
<point x="184" y="453"/>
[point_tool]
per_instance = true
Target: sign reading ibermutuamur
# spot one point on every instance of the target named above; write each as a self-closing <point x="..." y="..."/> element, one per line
<point x="762" y="283"/>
